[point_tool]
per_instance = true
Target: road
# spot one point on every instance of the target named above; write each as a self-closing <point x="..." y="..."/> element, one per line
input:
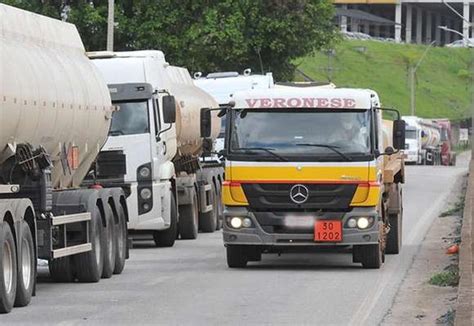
<point x="191" y="284"/>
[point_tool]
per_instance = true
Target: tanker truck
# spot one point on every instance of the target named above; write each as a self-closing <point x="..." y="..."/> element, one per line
<point x="171" y="188"/>
<point x="423" y="141"/>
<point x="311" y="169"/>
<point x="55" y="113"/>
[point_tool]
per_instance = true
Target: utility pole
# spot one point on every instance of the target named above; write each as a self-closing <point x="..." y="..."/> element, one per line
<point x="110" y="27"/>
<point x="467" y="41"/>
<point x="412" y="76"/>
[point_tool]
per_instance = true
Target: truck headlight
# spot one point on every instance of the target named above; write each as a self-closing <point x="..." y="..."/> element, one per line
<point x="145" y="193"/>
<point x="144" y="172"/>
<point x="363" y="223"/>
<point x="236" y="222"/>
<point x="352" y="223"/>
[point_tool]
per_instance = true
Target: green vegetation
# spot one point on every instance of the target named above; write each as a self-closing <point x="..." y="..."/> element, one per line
<point x="204" y="35"/>
<point x="456" y="209"/>
<point x="448" y="277"/>
<point x="443" y="78"/>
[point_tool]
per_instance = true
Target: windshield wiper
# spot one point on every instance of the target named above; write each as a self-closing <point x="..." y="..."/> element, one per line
<point x="333" y="148"/>
<point x="268" y="150"/>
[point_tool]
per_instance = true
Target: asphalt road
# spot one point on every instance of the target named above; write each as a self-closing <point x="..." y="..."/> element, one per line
<point x="191" y="284"/>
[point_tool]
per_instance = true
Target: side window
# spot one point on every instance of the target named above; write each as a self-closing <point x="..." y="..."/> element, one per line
<point x="156" y="115"/>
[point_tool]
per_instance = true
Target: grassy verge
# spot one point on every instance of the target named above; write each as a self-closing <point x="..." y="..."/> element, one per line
<point x="443" y="85"/>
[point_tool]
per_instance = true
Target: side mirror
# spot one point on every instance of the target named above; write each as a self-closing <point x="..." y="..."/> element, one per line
<point x="399" y="134"/>
<point x="205" y="123"/>
<point x="169" y="109"/>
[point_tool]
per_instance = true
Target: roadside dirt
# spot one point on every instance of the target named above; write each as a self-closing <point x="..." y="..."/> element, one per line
<point x="417" y="301"/>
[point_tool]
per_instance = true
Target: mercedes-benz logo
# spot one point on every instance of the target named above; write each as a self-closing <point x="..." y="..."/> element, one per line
<point x="299" y="194"/>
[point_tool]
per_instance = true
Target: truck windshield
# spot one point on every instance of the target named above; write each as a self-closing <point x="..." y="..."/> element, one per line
<point x="340" y="135"/>
<point x="130" y="119"/>
<point x="410" y="133"/>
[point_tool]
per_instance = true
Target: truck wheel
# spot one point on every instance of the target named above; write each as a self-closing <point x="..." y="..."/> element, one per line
<point x="371" y="256"/>
<point x="394" y="237"/>
<point x="8" y="268"/>
<point x="89" y="265"/>
<point x="26" y="267"/>
<point x="61" y="270"/>
<point x="121" y="236"/>
<point x="189" y="219"/>
<point x="236" y="256"/>
<point x="208" y="221"/>
<point x="109" y="249"/>
<point x="168" y="237"/>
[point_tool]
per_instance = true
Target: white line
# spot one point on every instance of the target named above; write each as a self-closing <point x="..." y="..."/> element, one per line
<point x="386" y="276"/>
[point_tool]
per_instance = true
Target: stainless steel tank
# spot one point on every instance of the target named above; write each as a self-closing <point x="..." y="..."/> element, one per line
<point x="50" y="94"/>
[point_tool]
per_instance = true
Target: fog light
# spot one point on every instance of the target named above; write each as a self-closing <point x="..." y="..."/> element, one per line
<point x="362" y="222"/>
<point x="236" y="222"/>
<point x="247" y="223"/>
<point x="352" y="223"/>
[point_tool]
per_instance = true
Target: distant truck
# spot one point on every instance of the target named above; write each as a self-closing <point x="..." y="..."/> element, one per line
<point x="155" y="138"/>
<point x="429" y="141"/>
<point x="55" y="113"/>
<point x="311" y="168"/>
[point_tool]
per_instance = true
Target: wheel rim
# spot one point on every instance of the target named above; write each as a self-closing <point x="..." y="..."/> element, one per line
<point x="7" y="266"/>
<point x="97" y="244"/>
<point x="26" y="263"/>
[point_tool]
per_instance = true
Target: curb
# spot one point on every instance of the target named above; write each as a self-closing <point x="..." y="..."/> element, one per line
<point x="464" y="305"/>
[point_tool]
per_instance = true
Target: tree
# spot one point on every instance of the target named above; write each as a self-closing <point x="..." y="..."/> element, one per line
<point x="206" y="35"/>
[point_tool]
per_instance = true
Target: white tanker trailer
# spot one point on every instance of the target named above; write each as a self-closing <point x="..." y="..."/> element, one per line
<point x="55" y="113"/>
<point x="155" y="135"/>
<point x="423" y="141"/>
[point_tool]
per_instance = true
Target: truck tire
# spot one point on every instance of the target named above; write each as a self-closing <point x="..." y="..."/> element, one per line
<point x="109" y="246"/>
<point x="371" y="256"/>
<point x="89" y="265"/>
<point x="208" y="220"/>
<point x="61" y="270"/>
<point x="8" y="268"/>
<point x="394" y="237"/>
<point x="26" y="267"/>
<point x="167" y="237"/>
<point x="236" y="256"/>
<point x="189" y="219"/>
<point x="121" y="236"/>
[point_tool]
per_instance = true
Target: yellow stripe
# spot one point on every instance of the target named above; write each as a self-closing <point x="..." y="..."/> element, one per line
<point x="293" y="174"/>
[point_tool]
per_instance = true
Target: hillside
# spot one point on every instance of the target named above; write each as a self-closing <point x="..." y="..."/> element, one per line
<point x="443" y="84"/>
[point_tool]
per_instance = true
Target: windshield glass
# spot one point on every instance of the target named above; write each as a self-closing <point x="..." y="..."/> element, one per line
<point x="130" y="119"/>
<point x="410" y="133"/>
<point x="308" y="133"/>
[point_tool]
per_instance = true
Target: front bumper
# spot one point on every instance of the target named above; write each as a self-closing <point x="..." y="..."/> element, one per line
<point x="256" y="235"/>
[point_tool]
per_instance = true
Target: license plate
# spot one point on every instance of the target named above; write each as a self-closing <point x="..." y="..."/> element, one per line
<point x="328" y="231"/>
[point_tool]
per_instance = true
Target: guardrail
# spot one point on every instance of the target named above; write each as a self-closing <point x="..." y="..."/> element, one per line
<point x="464" y="305"/>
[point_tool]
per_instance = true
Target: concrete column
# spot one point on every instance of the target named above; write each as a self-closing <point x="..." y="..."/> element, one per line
<point x="409" y="21"/>
<point x="429" y="28"/>
<point x="419" y="30"/>
<point x="466" y="14"/>
<point x="343" y="21"/>
<point x="354" y="25"/>
<point x="377" y="30"/>
<point x="437" y="30"/>
<point x="366" y="28"/>
<point x="447" y="35"/>
<point x="398" y="22"/>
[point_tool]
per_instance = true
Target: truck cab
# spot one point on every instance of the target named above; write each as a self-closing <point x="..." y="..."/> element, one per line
<point x="312" y="168"/>
<point x="142" y="143"/>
